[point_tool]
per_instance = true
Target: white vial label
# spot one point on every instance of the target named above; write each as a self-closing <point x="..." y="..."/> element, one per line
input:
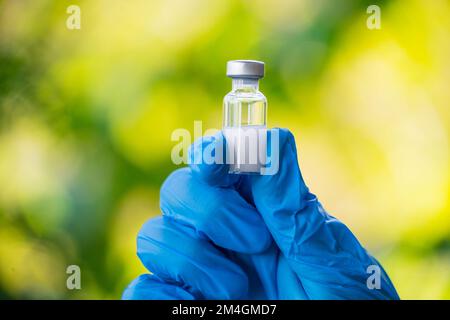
<point x="246" y="148"/>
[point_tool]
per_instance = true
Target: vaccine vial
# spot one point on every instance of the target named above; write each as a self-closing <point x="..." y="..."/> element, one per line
<point x="244" y="118"/>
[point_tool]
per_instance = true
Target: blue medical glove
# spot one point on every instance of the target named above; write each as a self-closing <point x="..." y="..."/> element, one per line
<point x="228" y="236"/>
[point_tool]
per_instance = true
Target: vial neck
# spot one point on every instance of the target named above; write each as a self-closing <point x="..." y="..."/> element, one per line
<point x="245" y="84"/>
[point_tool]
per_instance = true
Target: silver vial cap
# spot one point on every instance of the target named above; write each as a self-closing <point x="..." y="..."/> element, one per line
<point x="245" y="69"/>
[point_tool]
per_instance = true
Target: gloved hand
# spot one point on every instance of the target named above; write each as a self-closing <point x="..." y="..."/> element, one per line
<point x="226" y="236"/>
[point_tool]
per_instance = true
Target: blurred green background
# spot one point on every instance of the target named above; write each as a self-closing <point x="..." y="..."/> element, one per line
<point x="86" y="117"/>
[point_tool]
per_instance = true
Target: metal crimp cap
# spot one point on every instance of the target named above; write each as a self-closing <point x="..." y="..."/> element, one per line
<point x="245" y="69"/>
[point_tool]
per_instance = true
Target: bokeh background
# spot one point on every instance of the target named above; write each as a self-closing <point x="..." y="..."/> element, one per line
<point x="86" y="118"/>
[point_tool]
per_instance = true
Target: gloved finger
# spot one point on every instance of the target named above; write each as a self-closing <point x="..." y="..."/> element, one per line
<point x="150" y="287"/>
<point x="323" y="252"/>
<point x="218" y="213"/>
<point x="280" y="196"/>
<point x="207" y="159"/>
<point x="175" y="254"/>
<point x="270" y="276"/>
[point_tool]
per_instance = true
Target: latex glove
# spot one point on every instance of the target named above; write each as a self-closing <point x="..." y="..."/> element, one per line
<point x="249" y="237"/>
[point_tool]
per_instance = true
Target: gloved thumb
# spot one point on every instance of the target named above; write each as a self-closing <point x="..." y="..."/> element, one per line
<point x="207" y="159"/>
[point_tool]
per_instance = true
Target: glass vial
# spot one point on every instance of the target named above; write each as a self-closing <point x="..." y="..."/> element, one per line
<point x="244" y="118"/>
